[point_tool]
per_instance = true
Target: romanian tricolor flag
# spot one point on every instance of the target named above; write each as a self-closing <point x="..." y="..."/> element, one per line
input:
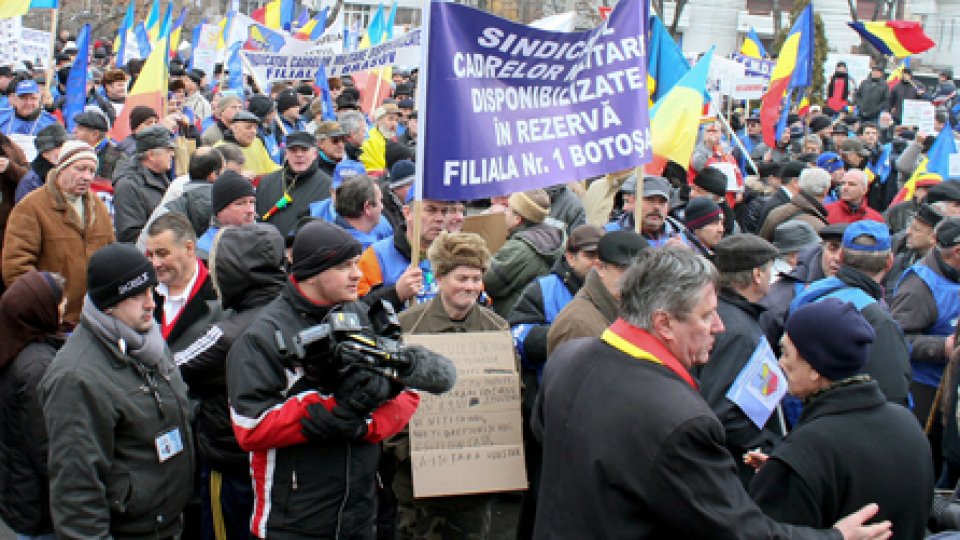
<point x="894" y="38"/>
<point x="675" y="119"/>
<point x="368" y="82"/>
<point x="794" y="69"/>
<point x="803" y="107"/>
<point x="897" y="75"/>
<point x="314" y="27"/>
<point x="666" y="64"/>
<point x="150" y="90"/>
<point x="752" y="46"/>
<point x="920" y="178"/>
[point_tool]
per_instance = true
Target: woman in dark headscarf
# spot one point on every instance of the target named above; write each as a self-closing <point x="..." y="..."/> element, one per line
<point x="30" y="313"/>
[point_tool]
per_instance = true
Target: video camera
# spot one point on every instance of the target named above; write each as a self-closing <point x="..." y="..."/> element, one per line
<point x="341" y="344"/>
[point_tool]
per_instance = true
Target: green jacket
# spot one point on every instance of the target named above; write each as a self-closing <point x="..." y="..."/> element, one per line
<point x="530" y="252"/>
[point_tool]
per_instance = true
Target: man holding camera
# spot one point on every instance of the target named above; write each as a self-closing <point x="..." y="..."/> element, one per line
<point x="313" y="428"/>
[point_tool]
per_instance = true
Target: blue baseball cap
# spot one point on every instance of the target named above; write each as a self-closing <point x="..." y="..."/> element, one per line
<point x="830" y="161"/>
<point x="873" y="229"/>
<point x="28" y="86"/>
<point x="345" y="169"/>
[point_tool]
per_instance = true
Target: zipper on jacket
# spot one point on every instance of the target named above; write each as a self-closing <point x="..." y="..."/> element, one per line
<point x="346" y="492"/>
<point x="294" y="480"/>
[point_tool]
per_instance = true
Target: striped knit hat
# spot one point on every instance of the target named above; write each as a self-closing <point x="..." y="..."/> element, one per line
<point x="71" y="152"/>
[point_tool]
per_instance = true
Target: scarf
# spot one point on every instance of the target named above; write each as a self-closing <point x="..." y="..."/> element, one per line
<point x="149" y="348"/>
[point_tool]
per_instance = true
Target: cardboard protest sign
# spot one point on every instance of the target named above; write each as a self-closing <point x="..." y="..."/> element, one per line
<point x="919" y="113"/>
<point x="470" y="440"/>
<point x="491" y="227"/>
<point x="505" y="107"/>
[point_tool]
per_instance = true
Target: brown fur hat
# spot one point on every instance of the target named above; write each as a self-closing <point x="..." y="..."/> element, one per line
<point x="114" y="75"/>
<point x="450" y="250"/>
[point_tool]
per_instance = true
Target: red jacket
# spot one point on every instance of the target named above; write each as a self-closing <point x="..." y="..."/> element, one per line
<point x="841" y="212"/>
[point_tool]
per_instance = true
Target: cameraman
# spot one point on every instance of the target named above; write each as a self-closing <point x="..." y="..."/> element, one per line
<point x="314" y="440"/>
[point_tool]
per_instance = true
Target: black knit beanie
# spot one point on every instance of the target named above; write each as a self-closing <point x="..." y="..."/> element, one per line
<point x="321" y="245"/>
<point x="117" y="272"/>
<point x="227" y="188"/>
<point x="832" y="336"/>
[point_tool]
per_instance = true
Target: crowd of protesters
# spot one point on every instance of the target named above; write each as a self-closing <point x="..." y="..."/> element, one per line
<point x="153" y="288"/>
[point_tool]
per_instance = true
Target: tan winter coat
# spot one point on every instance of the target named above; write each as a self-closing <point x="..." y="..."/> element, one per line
<point x="44" y="233"/>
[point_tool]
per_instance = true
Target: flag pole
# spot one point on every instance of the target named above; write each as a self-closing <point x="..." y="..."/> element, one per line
<point x="736" y="139"/>
<point x="54" y="14"/>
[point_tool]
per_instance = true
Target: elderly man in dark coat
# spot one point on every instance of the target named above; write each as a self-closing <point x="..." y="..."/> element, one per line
<point x="630" y="449"/>
<point x="851" y="447"/>
<point x="744" y="262"/>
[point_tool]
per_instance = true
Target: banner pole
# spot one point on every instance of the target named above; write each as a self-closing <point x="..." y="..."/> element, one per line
<point x="54" y="14"/>
<point x="256" y="80"/>
<point x="421" y="96"/>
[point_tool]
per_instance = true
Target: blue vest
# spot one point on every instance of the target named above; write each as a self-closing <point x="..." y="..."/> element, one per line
<point x="10" y="124"/>
<point x="555" y="296"/>
<point x="205" y="242"/>
<point x="379" y="232"/>
<point x="947" y="296"/>
<point x="324" y="210"/>
<point x="393" y="264"/>
<point x="831" y="287"/>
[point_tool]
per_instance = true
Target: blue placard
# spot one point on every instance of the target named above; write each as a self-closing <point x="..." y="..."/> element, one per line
<point x="509" y="107"/>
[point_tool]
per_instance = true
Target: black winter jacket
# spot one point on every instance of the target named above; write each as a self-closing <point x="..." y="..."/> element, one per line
<point x="103" y="420"/>
<point x="24" y="484"/>
<point x="850" y="448"/>
<point x="611" y="471"/>
<point x="249" y="274"/>
<point x="304" y="489"/>
<point x="137" y="192"/>
<point x="304" y="188"/>
<point x="778" y="298"/>
<point x="731" y="352"/>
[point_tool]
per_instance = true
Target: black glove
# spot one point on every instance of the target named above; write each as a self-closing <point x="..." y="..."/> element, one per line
<point x="362" y="391"/>
<point x="339" y="423"/>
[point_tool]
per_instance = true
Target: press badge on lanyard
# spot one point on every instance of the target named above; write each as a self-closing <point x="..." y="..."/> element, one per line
<point x="169" y="444"/>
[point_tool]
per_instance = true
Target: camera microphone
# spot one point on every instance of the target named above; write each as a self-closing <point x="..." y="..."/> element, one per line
<point x="427" y="371"/>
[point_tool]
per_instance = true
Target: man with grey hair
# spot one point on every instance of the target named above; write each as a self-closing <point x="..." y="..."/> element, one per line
<point x="355" y="126"/>
<point x="228" y="105"/>
<point x="806" y="205"/>
<point x="638" y="449"/>
<point x="744" y="262"/>
<point x="373" y="153"/>
<point x="139" y="183"/>
<point x="852" y="205"/>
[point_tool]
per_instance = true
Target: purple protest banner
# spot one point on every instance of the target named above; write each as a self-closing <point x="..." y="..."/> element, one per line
<point x="505" y="107"/>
